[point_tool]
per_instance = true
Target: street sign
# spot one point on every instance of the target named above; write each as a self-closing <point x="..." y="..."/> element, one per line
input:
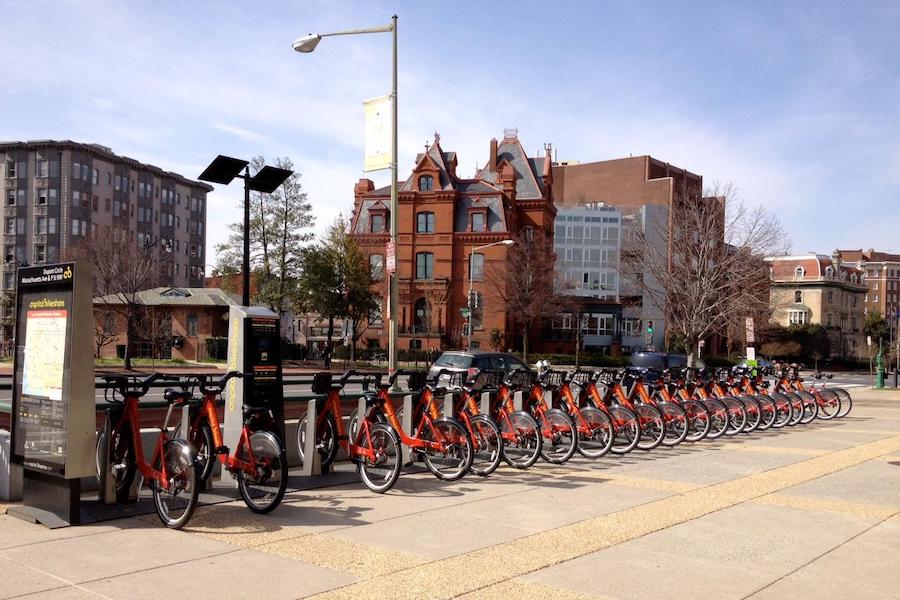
<point x="390" y="257"/>
<point x="751" y="334"/>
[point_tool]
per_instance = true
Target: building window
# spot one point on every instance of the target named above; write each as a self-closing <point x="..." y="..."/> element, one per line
<point x="377" y="223"/>
<point x="11" y="169"/>
<point x="829" y="271"/>
<point x="477" y="267"/>
<point x="9" y="226"/>
<point x="528" y="233"/>
<point x="40" y="199"/>
<point x="40" y="253"/>
<point x="421" y="316"/>
<point x="798" y="296"/>
<point x="799" y="272"/>
<point x="375" y="315"/>
<point x="11" y="198"/>
<point x="424" y="265"/>
<point x="829" y="297"/>
<point x="192" y="325"/>
<point x="376" y="266"/>
<point x="797" y="317"/>
<point x="478" y="220"/>
<point x="42" y="168"/>
<point x="426" y="183"/>
<point x="425" y="222"/>
<point x="9" y="253"/>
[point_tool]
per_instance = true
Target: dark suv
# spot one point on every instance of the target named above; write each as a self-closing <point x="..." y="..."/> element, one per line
<point x="458" y="361"/>
<point x="657" y="361"/>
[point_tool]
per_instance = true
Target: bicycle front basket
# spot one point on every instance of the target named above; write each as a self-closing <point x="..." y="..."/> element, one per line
<point x="522" y="379"/>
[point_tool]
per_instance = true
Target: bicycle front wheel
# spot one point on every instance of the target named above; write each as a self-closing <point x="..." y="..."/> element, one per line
<point x="263" y="488"/>
<point x="767" y="411"/>
<point x="810" y="407"/>
<point x="380" y="471"/>
<point x="202" y="443"/>
<point x="521" y="439"/>
<point x="718" y="418"/>
<point x="326" y="439"/>
<point x="176" y="504"/>
<point x="846" y="401"/>
<point x="487" y="443"/>
<point x="653" y="427"/>
<point x="783" y="410"/>
<point x="754" y="413"/>
<point x="454" y="455"/>
<point x="737" y="415"/>
<point x="560" y="437"/>
<point x="698" y="419"/>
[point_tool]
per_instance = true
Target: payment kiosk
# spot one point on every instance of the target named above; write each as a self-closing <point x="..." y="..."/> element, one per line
<point x="254" y="349"/>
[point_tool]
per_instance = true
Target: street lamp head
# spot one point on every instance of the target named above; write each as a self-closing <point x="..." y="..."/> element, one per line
<point x="508" y="242"/>
<point x="307" y="43"/>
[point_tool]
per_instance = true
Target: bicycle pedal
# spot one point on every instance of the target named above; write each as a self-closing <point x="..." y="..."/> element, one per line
<point x="222" y="450"/>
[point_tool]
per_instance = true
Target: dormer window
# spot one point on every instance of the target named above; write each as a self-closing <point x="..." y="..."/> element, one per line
<point x="426" y="183"/>
<point x="829" y="271"/>
<point x="799" y="272"/>
<point x="376" y="223"/>
<point x="478" y="220"/>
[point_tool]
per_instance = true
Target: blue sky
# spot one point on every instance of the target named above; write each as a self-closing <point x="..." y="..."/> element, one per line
<point x="796" y="103"/>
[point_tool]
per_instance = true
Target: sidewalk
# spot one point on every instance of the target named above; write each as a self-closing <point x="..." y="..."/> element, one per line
<point x="804" y="512"/>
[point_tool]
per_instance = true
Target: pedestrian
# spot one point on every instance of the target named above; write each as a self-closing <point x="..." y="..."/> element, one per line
<point x="326" y="354"/>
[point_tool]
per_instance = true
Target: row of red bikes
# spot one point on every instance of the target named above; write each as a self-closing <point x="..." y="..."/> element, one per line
<point x="472" y="422"/>
<point x="468" y="422"/>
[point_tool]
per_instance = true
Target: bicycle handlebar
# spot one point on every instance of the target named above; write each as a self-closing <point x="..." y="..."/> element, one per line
<point x="216" y="389"/>
<point x="140" y="387"/>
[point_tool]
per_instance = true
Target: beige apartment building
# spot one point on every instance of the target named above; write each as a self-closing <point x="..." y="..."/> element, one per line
<point x="882" y="271"/>
<point x="59" y="194"/>
<point x="818" y="289"/>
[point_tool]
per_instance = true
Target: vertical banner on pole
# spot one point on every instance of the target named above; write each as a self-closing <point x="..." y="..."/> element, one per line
<point x="378" y="134"/>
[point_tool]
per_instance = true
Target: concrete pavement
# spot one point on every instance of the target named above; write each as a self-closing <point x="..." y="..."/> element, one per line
<point x="802" y="512"/>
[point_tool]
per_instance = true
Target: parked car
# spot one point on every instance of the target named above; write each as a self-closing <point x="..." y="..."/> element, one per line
<point x="762" y="363"/>
<point x="458" y="361"/>
<point x="657" y="361"/>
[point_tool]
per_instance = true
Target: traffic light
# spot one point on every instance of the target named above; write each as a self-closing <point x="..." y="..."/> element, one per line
<point x="473" y="299"/>
<point x="650" y="327"/>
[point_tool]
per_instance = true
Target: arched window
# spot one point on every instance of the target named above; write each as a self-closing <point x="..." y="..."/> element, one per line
<point x="424" y="265"/>
<point x="829" y="271"/>
<point x="799" y="272"/>
<point x="421" y="316"/>
<point x="798" y="296"/>
<point x="426" y="183"/>
<point x="192" y="324"/>
<point x="425" y="222"/>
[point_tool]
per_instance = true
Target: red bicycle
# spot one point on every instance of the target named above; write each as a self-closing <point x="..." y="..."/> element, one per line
<point x="258" y="462"/>
<point x="170" y="473"/>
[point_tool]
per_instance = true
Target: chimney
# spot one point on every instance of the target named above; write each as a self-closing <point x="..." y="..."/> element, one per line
<point x="492" y="159"/>
<point x="363" y="187"/>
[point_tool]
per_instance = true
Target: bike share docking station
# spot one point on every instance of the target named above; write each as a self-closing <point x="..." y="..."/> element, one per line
<point x="254" y="349"/>
<point x="53" y="410"/>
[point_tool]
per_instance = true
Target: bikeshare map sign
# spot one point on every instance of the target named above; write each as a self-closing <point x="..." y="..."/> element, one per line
<point x="53" y="403"/>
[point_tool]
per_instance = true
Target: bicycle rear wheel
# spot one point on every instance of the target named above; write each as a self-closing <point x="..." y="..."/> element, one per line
<point x="521" y="439"/>
<point x="846" y="401"/>
<point x="653" y="428"/>
<point x="176" y="504"/>
<point x="263" y="489"/>
<point x="737" y="415"/>
<point x="754" y="413"/>
<point x="627" y="430"/>
<point x="698" y="420"/>
<point x="487" y="443"/>
<point x="810" y="407"/>
<point x="796" y="408"/>
<point x="204" y="447"/>
<point x="326" y="439"/>
<point x="595" y="434"/>
<point x="380" y="472"/>
<point x="829" y="404"/>
<point x="766" y="411"/>
<point x="560" y="436"/>
<point x="121" y="461"/>
<point x="677" y="426"/>
<point x="454" y="458"/>
<point x="783" y="410"/>
<point x="718" y="418"/>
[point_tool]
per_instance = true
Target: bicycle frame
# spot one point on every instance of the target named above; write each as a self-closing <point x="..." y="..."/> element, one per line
<point x="230" y="461"/>
<point x="130" y="416"/>
<point x="427" y="420"/>
<point x="333" y="405"/>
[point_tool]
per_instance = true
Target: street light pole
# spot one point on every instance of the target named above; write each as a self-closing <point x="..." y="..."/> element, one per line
<point x="469" y="296"/>
<point x="307" y="44"/>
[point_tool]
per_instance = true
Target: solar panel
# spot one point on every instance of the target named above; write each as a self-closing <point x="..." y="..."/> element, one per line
<point x="268" y="179"/>
<point x="223" y="169"/>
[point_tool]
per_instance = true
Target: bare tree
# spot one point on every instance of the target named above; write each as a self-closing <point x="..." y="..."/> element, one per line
<point x="106" y="329"/>
<point x="155" y="326"/>
<point x="121" y="270"/>
<point x="704" y="263"/>
<point x="527" y="284"/>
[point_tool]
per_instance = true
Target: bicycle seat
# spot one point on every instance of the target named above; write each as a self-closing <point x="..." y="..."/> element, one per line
<point x="174" y="396"/>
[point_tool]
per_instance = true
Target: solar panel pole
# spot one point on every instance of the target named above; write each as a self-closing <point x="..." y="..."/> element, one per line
<point x="245" y="295"/>
<point x="394" y="291"/>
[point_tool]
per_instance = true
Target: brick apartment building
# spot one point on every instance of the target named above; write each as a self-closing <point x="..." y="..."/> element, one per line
<point x="58" y="194"/>
<point x="442" y="217"/>
<point x="882" y="271"/>
<point x="819" y="289"/>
